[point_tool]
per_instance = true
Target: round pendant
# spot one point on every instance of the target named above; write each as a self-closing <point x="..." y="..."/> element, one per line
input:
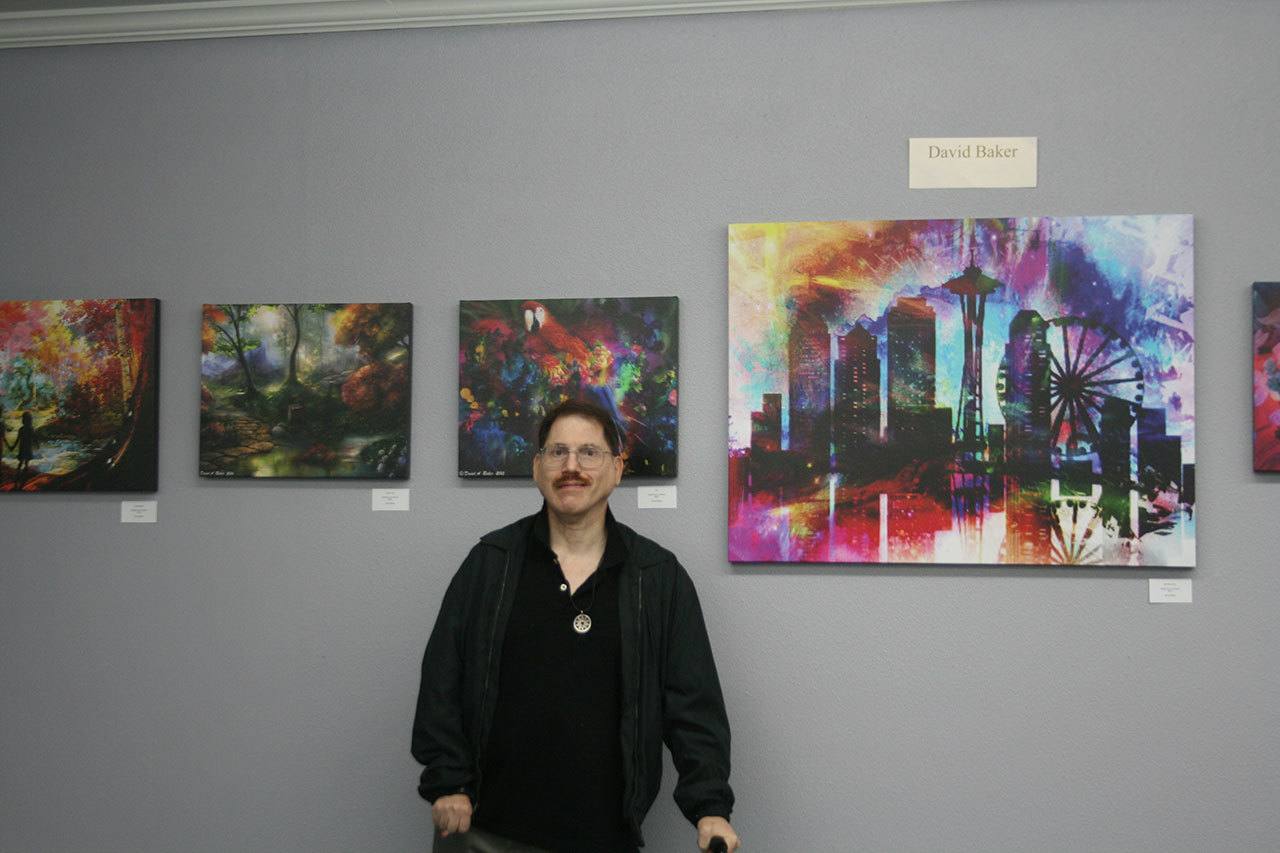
<point x="582" y="623"/>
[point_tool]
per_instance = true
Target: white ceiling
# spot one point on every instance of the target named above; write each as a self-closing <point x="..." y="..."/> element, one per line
<point x="37" y="23"/>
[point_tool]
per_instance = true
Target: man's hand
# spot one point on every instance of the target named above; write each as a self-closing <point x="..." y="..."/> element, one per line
<point x="452" y="813"/>
<point x="709" y="827"/>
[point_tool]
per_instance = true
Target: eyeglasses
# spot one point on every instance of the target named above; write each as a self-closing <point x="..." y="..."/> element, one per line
<point x="589" y="456"/>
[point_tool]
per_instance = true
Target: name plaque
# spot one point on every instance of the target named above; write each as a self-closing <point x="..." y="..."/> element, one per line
<point x="950" y="162"/>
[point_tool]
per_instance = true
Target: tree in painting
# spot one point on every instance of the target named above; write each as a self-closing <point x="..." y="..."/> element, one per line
<point x="226" y="332"/>
<point x="312" y="390"/>
<point x="78" y="395"/>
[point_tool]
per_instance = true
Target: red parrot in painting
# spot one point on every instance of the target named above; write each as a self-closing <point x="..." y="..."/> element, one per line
<point x="547" y="338"/>
<point x="561" y="353"/>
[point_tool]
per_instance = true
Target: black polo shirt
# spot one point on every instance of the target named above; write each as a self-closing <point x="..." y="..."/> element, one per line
<point x="552" y="769"/>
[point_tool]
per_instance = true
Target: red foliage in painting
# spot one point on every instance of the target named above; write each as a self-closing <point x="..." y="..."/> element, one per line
<point x="376" y="387"/>
<point x="96" y="400"/>
<point x="139" y="320"/>
<point x="498" y="331"/>
<point x="105" y="383"/>
<point x="19" y="323"/>
<point x="318" y="454"/>
<point x="216" y="434"/>
<point x="213" y="315"/>
<point x="94" y="320"/>
<point x="372" y="327"/>
<point x="12" y="313"/>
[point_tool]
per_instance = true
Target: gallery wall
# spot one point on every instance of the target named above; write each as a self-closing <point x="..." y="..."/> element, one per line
<point x="241" y="674"/>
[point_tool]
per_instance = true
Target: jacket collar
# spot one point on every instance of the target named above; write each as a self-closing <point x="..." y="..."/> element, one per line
<point x="641" y="553"/>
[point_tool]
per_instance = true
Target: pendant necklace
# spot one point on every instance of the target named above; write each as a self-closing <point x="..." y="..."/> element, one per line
<point x="582" y="622"/>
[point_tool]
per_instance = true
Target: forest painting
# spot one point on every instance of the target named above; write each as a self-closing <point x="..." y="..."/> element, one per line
<point x="306" y="390"/>
<point x="1266" y="376"/>
<point x="78" y="393"/>
<point x="963" y="391"/>
<point x="517" y="358"/>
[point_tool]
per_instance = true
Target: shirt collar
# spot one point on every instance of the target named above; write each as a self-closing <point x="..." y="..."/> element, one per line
<point x="615" y="548"/>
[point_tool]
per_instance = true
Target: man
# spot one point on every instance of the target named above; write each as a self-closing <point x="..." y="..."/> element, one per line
<point x="567" y="649"/>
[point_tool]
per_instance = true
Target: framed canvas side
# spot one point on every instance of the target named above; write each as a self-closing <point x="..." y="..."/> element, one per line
<point x="1266" y="376"/>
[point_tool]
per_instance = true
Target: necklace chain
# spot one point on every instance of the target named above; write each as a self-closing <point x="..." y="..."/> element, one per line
<point x="582" y="622"/>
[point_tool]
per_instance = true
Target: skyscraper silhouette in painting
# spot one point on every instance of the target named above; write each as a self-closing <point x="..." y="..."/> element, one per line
<point x="979" y="391"/>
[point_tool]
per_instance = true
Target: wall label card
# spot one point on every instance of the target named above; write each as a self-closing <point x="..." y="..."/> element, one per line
<point x="1169" y="590"/>
<point x="971" y="161"/>
<point x="137" y="512"/>
<point x="390" y="500"/>
<point x="656" y="497"/>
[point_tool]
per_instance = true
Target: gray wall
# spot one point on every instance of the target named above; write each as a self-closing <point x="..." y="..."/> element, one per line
<point x="241" y="676"/>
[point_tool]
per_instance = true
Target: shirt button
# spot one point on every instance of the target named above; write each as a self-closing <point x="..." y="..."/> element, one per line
<point x="564" y="587"/>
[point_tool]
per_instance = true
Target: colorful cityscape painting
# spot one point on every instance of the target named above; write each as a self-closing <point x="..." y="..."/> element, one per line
<point x="305" y="390"/>
<point x="519" y="357"/>
<point x="963" y="392"/>
<point x="78" y="382"/>
<point x="1266" y="376"/>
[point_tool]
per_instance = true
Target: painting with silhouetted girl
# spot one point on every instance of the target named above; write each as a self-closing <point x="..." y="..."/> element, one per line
<point x="78" y="386"/>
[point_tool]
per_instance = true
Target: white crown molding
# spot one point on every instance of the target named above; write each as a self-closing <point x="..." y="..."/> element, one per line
<point x="161" y="21"/>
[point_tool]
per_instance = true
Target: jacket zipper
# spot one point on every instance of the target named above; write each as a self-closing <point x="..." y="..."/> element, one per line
<point x="488" y="675"/>
<point x="636" y="750"/>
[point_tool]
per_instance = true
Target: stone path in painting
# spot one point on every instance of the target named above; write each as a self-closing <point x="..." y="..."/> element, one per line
<point x="248" y="438"/>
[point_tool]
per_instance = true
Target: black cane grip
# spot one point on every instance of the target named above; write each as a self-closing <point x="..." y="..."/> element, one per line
<point x="717" y="845"/>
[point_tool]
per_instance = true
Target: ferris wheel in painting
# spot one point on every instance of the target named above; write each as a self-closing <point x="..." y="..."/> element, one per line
<point x="1093" y="370"/>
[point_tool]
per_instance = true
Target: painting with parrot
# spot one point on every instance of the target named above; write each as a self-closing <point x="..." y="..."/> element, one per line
<point x="519" y="357"/>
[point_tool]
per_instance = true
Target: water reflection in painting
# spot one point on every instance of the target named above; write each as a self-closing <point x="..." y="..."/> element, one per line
<point x="963" y="391"/>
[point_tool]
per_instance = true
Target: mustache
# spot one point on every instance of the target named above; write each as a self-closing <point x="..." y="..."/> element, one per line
<point x="571" y="478"/>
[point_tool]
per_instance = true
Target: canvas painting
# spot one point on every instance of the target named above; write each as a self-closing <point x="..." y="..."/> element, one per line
<point x="78" y="387"/>
<point x="519" y="357"/>
<point x="305" y="390"/>
<point x="1266" y="376"/>
<point x="963" y="392"/>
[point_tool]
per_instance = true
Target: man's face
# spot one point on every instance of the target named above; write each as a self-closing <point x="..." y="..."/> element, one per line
<point x="570" y="491"/>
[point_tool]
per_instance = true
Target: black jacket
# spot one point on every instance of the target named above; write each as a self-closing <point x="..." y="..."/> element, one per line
<point x="670" y="690"/>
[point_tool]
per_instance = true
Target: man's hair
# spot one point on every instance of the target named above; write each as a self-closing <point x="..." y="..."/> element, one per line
<point x="583" y="409"/>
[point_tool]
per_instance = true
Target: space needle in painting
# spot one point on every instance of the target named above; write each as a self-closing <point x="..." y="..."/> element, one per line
<point x="973" y="287"/>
